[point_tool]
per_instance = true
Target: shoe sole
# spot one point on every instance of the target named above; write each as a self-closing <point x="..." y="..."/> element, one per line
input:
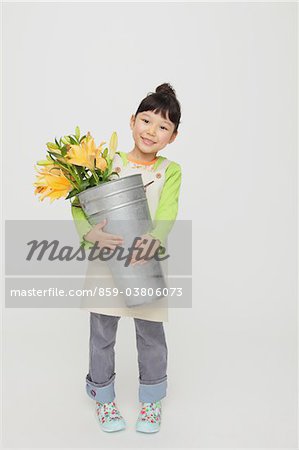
<point x="146" y="431"/>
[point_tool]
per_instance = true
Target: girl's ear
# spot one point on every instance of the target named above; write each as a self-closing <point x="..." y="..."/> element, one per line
<point x="173" y="137"/>
<point x="132" y="121"/>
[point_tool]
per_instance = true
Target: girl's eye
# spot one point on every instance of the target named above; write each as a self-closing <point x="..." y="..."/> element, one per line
<point x="145" y="120"/>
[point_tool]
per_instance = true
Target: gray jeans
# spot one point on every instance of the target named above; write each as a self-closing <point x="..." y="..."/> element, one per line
<point x="152" y="358"/>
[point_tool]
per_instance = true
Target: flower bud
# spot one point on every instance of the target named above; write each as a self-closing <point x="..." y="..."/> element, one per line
<point x="52" y="146"/>
<point x="44" y="162"/>
<point x="113" y="144"/>
<point x="65" y="140"/>
<point x="77" y="132"/>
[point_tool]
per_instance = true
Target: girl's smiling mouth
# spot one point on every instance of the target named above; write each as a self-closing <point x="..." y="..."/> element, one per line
<point x="147" y="141"/>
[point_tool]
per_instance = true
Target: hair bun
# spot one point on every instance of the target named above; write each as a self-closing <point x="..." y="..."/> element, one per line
<point x="165" y="88"/>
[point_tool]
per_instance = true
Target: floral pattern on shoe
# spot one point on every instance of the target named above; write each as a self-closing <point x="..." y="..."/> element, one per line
<point x="151" y="412"/>
<point x="107" y="412"/>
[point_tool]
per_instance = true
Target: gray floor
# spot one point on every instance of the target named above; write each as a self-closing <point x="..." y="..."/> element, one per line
<point x="228" y="388"/>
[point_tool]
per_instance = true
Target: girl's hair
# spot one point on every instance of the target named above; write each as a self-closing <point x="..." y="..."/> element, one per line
<point x="163" y="100"/>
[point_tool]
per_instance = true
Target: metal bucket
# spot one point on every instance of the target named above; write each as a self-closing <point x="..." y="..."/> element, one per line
<point x="124" y="204"/>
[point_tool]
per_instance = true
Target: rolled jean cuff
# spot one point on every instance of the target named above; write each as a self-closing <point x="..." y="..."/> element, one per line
<point x="101" y="392"/>
<point x="149" y="393"/>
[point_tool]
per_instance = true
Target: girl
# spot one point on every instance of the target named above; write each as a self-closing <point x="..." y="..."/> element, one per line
<point x="154" y="125"/>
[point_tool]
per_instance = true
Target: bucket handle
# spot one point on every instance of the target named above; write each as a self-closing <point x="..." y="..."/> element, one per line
<point x="147" y="184"/>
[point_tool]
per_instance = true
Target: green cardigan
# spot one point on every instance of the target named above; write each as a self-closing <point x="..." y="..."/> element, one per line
<point x="166" y="211"/>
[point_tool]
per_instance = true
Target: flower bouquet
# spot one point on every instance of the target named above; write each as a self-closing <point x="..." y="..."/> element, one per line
<point x="73" y="165"/>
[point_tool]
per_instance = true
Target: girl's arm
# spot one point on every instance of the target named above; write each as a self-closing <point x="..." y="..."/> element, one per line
<point x="82" y="225"/>
<point x="168" y="204"/>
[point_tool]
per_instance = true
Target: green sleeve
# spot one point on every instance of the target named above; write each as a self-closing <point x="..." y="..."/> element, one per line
<point x="82" y="225"/>
<point x="167" y="209"/>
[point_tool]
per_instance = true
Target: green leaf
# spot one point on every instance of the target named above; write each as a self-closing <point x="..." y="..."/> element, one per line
<point x="85" y="184"/>
<point x="83" y="137"/>
<point x="76" y="202"/>
<point x="73" y="141"/>
<point x="58" y="155"/>
<point x="92" y="182"/>
<point x="57" y="143"/>
<point x="80" y="169"/>
<point x="72" y="193"/>
<point x="74" y="137"/>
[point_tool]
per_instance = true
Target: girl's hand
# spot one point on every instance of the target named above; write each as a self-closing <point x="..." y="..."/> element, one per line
<point x="145" y="249"/>
<point x="96" y="234"/>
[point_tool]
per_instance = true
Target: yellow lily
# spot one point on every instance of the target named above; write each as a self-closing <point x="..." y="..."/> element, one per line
<point x="85" y="153"/>
<point x="101" y="163"/>
<point x="51" y="183"/>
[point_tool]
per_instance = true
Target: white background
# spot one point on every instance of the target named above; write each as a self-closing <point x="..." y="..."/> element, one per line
<point x="232" y="357"/>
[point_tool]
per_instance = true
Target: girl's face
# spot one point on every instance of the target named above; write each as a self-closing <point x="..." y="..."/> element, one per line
<point x="151" y="132"/>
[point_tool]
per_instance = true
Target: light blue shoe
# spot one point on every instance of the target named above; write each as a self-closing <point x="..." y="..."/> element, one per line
<point x="109" y="417"/>
<point x="149" y="419"/>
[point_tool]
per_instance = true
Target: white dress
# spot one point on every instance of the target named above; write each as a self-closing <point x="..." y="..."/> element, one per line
<point x="158" y="309"/>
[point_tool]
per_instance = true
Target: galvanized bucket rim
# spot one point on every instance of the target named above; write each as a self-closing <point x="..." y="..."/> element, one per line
<point x="109" y="182"/>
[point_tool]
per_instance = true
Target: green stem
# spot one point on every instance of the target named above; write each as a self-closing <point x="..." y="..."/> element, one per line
<point x="95" y="176"/>
<point x="72" y="183"/>
<point x="75" y="174"/>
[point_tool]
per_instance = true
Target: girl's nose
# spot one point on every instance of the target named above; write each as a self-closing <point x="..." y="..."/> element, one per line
<point x="152" y="131"/>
